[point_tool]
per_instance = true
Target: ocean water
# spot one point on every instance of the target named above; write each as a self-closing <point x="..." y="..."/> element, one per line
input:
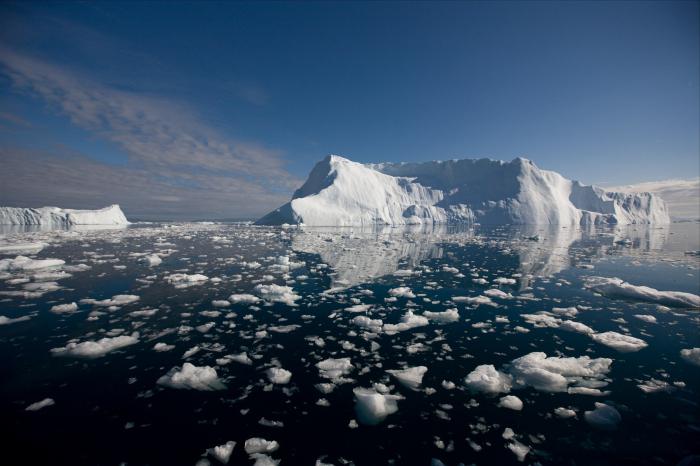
<point x="109" y="407"/>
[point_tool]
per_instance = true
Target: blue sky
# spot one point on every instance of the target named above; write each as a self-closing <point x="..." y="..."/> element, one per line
<point x="179" y="110"/>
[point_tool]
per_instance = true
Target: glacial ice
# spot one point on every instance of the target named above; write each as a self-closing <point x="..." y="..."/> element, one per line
<point x="54" y="217"/>
<point x="340" y="192"/>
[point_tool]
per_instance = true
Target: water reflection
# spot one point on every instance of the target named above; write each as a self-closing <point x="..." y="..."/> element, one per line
<point x="360" y="255"/>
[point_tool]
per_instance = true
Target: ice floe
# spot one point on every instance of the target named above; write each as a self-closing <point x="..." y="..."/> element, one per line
<point x="96" y="349"/>
<point x="192" y="377"/>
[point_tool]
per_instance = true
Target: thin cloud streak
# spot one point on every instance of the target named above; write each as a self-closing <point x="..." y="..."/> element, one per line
<point x="174" y="158"/>
<point x="151" y="129"/>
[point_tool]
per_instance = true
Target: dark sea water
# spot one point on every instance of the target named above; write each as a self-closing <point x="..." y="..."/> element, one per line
<point x="111" y="410"/>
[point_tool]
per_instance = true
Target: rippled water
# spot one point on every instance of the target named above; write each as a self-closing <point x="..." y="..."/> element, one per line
<point x="109" y="407"/>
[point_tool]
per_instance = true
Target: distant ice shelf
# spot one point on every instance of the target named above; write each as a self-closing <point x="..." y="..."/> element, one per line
<point x="340" y="192"/>
<point x="55" y="217"/>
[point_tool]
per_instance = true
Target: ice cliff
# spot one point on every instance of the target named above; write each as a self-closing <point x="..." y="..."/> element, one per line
<point x="340" y="192"/>
<point x="55" y="217"/>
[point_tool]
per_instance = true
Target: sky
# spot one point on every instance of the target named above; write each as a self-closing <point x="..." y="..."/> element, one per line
<point x="208" y="110"/>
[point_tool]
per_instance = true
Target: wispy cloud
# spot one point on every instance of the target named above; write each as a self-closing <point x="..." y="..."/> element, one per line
<point x="173" y="154"/>
<point x="152" y="130"/>
<point x="15" y="119"/>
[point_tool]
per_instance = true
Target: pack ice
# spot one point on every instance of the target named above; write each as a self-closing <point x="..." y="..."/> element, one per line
<point x="340" y="192"/>
<point x="55" y="217"/>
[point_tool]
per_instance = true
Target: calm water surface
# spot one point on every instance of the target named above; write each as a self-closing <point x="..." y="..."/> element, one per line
<point x="111" y="410"/>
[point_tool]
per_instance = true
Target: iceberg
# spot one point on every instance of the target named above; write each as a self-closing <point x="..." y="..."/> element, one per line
<point x="340" y="192"/>
<point x="54" y="217"/>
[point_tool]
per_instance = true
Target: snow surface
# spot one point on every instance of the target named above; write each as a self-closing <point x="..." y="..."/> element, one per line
<point x="55" y="217"/>
<point x="340" y="192"/>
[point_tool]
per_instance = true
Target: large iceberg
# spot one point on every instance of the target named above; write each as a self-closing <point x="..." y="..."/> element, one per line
<point x="54" y="217"/>
<point x="340" y="192"/>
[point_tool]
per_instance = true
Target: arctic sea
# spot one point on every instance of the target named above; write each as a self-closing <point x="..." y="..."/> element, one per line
<point x="156" y="343"/>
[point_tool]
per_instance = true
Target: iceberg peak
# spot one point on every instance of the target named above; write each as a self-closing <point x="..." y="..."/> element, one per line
<point x="340" y="192"/>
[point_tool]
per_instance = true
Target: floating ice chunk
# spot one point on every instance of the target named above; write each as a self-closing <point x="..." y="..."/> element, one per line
<point x="655" y="386"/>
<point x="152" y="260"/>
<point x="555" y="374"/>
<point x="691" y="355"/>
<point x="574" y="326"/>
<point x="260" y="445"/>
<point x="279" y="376"/>
<point x="243" y="298"/>
<point x="450" y="315"/>
<point x="511" y="402"/>
<point x="241" y="358"/>
<point x="277" y="293"/>
<point x="22" y="248"/>
<point x="161" y="347"/>
<point x="646" y="318"/>
<point x="116" y="300"/>
<point x="373" y="407"/>
<point x="184" y="280"/>
<point x="268" y="423"/>
<point x="603" y="416"/>
<point x="262" y="459"/>
<point x="496" y="293"/>
<point x="485" y="378"/>
<point x="204" y="328"/>
<point x="401" y="292"/>
<point x="519" y="450"/>
<point x="373" y="325"/>
<point x="358" y="308"/>
<point x="96" y="349"/>
<point x="504" y="281"/>
<point x="477" y="300"/>
<point x="23" y="263"/>
<point x="191" y="352"/>
<point x="40" y="404"/>
<point x="411" y="377"/>
<point x="220" y="303"/>
<point x="7" y="320"/>
<point x="408" y="321"/>
<point x="564" y="413"/>
<point x="192" y="377"/>
<point x="617" y="288"/>
<point x="620" y="342"/>
<point x="334" y="369"/>
<point x="542" y="319"/>
<point x="64" y="308"/>
<point x="283" y="328"/>
<point x="222" y="453"/>
<point x="448" y="385"/>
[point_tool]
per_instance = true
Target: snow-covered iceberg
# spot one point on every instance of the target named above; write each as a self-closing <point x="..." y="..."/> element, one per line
<point x="54" y="217"/>
<point x="340" y="192"/>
